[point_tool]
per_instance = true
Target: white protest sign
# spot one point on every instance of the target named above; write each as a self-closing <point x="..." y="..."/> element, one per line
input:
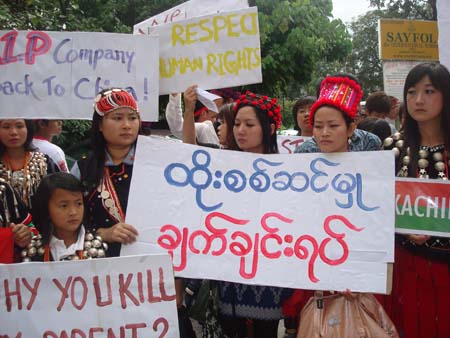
<point x="207" y="99"/>
<point x="288" y="143"/>
<point x="187" y="10"/>
<point x="57" y="75"/>
<point x="394" y="76"/>
<point x="214" y="51"/>
<point x="110" y="297"/>
<point x="443" y="12"/>
<point x="308" y="221"/>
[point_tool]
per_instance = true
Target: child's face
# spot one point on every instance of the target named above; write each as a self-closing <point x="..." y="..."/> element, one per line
<point x="66" y="211"/>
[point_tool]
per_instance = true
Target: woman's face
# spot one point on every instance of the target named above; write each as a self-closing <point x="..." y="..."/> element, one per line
<point x="330" y="130"/>
<point x="120" y="127"/>
<point x="303" y="120"/>
<point x="424" y="102"/>
<point x="222" y="133"/>
<point x="65" y="209"/>
<point x="13" y="133"/>
<point x="248" y="131"/>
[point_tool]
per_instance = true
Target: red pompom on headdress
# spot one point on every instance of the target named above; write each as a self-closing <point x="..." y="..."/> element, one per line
<point x="113" y="99"/>
<point x="341" y="93"/>
<point x="264" y="103"/>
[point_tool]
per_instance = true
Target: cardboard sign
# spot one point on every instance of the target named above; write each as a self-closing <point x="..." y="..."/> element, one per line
<point x="110" y="297"/>
<point x="56" y="75"/>
<point x="422" y="207"/>
<point x="214" y="51"/>
<point x="287" y="144"/>
<point x="310" y="221"/>
<point x="187" y="10"/>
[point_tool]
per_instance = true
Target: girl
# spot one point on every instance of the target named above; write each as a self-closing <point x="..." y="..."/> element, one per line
<point x="20" y="166"/>
<point x="300" y="112"/>
<point x="256" y="119"/>
<point x="58" y="216"/>
<point x="421" y="285"/>
<point x="106" y="172"/>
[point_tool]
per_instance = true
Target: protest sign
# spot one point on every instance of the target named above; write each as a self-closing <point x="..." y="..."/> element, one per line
<point x="110" y="297"/>
<point x="422" y="207"/>
<point x="288" y="143"/>
<point x="187" y="10"/>
<point x="56" y="75"/>
<point x="214" y="51"/>
<point x="309" y="221"/>
<point x="443" y="13"/>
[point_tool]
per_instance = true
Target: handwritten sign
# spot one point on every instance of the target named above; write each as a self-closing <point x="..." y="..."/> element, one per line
<point x="111" y="297"/>
<point x="58" y="74"/>
<point x="311" y="221"/>
<point x="422" y="207"/>
<point x="187" y="10"/>
<point x="288" y="143"/>
<point x="216" y="51"/>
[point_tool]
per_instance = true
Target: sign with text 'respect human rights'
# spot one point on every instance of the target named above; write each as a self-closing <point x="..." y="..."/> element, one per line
<point x="214" y="51"/>
<point x="110" y="297"/>
<point x="187" y="10"/>
<point x="57" y="75"/>
<point x="422" y="207"/>
<point x="309" y="221"/>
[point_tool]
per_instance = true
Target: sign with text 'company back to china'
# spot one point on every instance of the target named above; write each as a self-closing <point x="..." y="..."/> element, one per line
<point x="309" y="221"/>
<point x="108" y="297"/>
<point x="214" y="51"/>
<point x="422" y="207"/>
<point x="408" y="40"/>
<point x="56" y="75"/>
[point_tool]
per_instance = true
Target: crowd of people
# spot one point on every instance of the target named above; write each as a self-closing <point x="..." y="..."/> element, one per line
<point x="48" y="214"/>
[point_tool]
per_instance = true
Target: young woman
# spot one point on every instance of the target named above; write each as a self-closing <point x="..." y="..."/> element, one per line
<point x="106" y="172"/>
<point x="254" y="126"/>
<point x="421" y="285"/>
<point x="58" y="216"/>
<point x="332" y="118"/>
<point x="21" y="166"/>
<point x="300" y="112"/>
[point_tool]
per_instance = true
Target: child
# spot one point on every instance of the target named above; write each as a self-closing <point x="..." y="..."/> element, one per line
<point x="58" y="217"/>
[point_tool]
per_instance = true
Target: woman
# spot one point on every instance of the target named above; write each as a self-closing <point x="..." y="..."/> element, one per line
<point x="421" y="285"/>
<point x="300" y="113"/>
<point x="106" y="172"/>
<point x="332" y="118"/>
<point x="21" y="166"/>
<point x="256" y="119"/>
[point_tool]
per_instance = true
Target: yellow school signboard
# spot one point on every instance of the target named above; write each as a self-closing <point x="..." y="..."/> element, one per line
<point x="408" y="40"/>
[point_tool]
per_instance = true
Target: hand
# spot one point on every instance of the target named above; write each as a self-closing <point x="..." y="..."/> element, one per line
<point x="22" y="234"/>
<point x="120" y="232"/>
<point x="418" y="239"/>
<point x="348" y="294"/>
<point x="190" y="97"/>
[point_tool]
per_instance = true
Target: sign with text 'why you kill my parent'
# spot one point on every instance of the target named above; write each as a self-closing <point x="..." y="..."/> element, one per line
<point x="108" y="297"/>
<point x="57" y="75"/>
<point x="311" y="221"/>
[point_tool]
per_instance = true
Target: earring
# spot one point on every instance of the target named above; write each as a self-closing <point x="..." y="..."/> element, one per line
<point x="349" y="140"/>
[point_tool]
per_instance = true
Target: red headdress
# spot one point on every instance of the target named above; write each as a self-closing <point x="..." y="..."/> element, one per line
<point x="265" y="103"/>
<point x="113" y="99"/>
<point x="341" y="93"/>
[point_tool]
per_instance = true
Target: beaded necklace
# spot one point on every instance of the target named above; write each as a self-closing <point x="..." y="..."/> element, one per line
<point x="24" y="180"/>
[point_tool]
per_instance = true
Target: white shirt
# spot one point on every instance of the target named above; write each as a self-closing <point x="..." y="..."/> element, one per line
<point x="53" y="151"/>
<point x="59" y="250"/>
<point x="204" y="131"/>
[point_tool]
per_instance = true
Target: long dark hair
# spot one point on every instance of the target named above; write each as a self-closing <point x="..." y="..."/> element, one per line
<point x="41" y="216"/>
<point x="269" y="139"/>
<point x="30" y="133"/>
<point x="96" y="161"/>
<point x="440" y="78"/>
